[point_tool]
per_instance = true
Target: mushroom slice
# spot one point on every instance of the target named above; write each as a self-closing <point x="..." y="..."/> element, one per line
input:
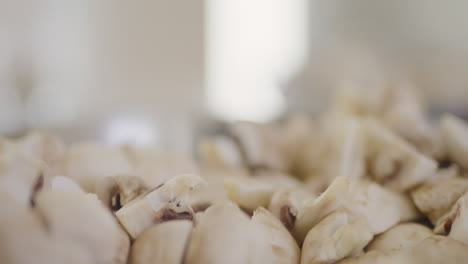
<point x="381" y="207"/>
<point x="259" y="145"/>
<point x="405" y="114"/>
<point x="281" y="246"/>
<point x="455" y="222"/>
<point x="435" y="198"/>
<point x="168" y="202"/>
<point x="220" y="152"/>
<point x="117" y="191"/>
<point x="164" y="243"/>
<point x="337" y="236"/>
<point x="80" y="219"/>
<point x="253" y="192"/>
<point x="220" y="236"/>
<point x="86" y="162"/>
<point x="454" y="133"/>
<point x="287" y="202"/>
<point x="432" y="250"/>
<point x="400" y="236"/>
<point x="392" y="161"/>
<point x="315" y="210"/>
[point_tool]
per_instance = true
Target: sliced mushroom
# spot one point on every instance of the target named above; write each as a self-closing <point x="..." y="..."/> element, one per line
<point x="432" y="250"/>
<point x="81" y="220"/>
<point x="454" y="133"/>
<point x="164" y="243"/>
<point x="455" y="222"/>
<point x="315" y="210"/>
<point x="405" y="115"/>
<point x="220" y="152"/>
<point x="155" y="166"/>
<point x="220" y="236"/>
<point x="337" y="236"/>
<point x="87" y="162"/>
<point x="117" y="191"/>
<point x="436" y="198"/>
<point x="253" y="192"/>
<point x="287" y="202"/>
<point x="392" y="161"/>
<point x="168" y="202"/>
<point x="400" y="236"/>
<point x="382" y="208"/>
<point x="259" y="145"/>
<point x="281" y="246"/>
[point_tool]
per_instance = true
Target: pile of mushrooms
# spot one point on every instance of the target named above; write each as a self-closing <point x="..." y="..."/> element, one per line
<point x="370" y="180"/>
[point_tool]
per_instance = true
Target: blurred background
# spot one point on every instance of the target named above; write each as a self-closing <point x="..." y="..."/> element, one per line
<point x="159" y="71"/>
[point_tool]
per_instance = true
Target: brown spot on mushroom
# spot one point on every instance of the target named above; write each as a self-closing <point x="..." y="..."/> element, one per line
<point x="448" y="223"/>
<point x="169" y="215"/>
<point x="286" y="217"/>
<point x="38" y="185"/>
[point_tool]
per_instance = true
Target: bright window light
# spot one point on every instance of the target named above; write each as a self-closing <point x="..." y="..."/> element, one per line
<point x="252" y="47"/>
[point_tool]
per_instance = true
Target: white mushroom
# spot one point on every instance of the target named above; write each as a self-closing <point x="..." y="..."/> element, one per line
<point x="168" y="202"/>
<point x="281" y="246"/>
<point x="400" y="236"/>
<point x="436" y="198"/>
<point x="455" y="222"/>
<point x="315" y="210"/>
<point x="220" y="236"/>
<point x="382" y="208"/>
<point x="81" y="220"/>
<point x="163" y="243"/>
<point x="87" y="162"/>
<point x="337" y="236"/>
<point x="392" y="161"/>
<point x="454" y="133"/>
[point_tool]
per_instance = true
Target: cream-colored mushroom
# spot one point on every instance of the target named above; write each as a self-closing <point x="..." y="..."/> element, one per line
<point x="382" y="208"/>
<point x="454" y="132"/>
<point x="432" y="250"/>
<point x="155" y="166"/>
<point x="337" y="236"/>
<point x="86" y="162"/>
<point x="168" y="202"/>
<point x="405" y="115"/>
<point x="400" y="236"/>
<point x="81" y="220"/>
<point x="392" y="161"/>
<point x="315" y="210"/>
<point x="435" y="198"/>
<point x="455" y="222"/>
<point x="163" y="243"/>
<point x="220" y="236"/>
<point x="287" y="202"/>
<point x="281" y="246"/>
<point x="253" y="192"/>
<point x="117" y="191"/>
<point x="259" y="145"/>
<point x="220" y="152"/>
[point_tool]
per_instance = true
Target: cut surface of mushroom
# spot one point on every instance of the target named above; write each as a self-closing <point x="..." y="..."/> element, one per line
<point x="337" y="236"/>
<point x="436" y="198"/>
<point x="392" y="161"/>
<point x="455" y="222"/>
<point x="168" y="202"/>
<point x="281" y="246"/>
<point x="163" y="243"/>
<point x="220" y="236"/>
<point x="80" y="219"/>
<point x="454" y="133"/>
<point x="315" y="210"/>
<point x="400" y="236"/>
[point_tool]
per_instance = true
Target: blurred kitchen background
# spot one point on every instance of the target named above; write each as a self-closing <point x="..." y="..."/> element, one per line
<point x="160" y="71"/>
